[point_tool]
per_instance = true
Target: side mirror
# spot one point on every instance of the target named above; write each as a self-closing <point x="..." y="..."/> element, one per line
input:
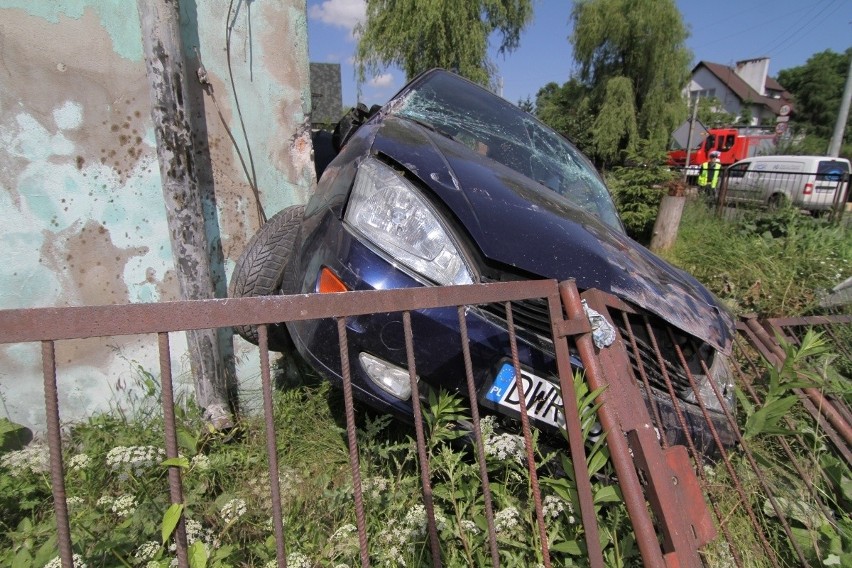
<point x="350" y="122"/>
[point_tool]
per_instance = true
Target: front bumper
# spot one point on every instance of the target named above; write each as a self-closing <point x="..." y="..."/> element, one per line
<point x="329" y="243"/>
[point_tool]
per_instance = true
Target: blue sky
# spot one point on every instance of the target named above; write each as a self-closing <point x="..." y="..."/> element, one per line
<point x="722" y="31"/>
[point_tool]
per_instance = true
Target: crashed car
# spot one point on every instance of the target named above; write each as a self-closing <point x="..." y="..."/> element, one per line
<point x="450" y="184"/>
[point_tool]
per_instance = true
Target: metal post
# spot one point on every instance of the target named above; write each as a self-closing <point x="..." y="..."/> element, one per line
<point x="842" y="115"/>
<point x="178" y="171"/>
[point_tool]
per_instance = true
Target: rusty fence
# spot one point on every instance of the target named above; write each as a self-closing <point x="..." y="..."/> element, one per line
<point x="695" y="481"/>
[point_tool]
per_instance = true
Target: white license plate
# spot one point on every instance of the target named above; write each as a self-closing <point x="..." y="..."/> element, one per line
<point x="543" y="398"/>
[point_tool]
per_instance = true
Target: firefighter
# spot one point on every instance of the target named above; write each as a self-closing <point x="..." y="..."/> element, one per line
<point x="708" y="177"/>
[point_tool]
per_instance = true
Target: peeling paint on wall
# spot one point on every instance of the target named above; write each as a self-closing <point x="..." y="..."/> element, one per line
<point x="81" y="203"/>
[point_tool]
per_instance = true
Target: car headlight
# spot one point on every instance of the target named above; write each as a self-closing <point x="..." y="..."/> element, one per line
<point x="390" y="212"/>
<point x="722" y="376"/>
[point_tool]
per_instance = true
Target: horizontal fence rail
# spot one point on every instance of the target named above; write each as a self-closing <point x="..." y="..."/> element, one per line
<point x="691" y="469"/>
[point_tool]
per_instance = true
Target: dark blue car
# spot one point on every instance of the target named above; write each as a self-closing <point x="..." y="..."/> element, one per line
<point x="450" y="184"/>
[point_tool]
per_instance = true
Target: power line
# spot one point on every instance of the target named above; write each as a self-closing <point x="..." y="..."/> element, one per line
<point x="789" y="36"/>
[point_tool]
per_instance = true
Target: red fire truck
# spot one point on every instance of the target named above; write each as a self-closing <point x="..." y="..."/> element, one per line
<point x="733" y="144"/>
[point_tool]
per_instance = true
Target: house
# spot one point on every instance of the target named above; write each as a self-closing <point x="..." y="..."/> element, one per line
<point x="743" y="90"/>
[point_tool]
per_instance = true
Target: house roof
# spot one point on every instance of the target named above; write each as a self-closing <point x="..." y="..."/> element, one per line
<point x="737" y="85"/>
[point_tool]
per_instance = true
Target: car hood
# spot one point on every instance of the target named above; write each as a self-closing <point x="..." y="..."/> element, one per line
<point x="518" y="222"/>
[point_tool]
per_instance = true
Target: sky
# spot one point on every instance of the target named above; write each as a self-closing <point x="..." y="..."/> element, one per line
<point x="721" y="31"/>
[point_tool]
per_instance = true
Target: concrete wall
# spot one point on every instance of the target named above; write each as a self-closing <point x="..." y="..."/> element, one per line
<point x="81" y="204"/>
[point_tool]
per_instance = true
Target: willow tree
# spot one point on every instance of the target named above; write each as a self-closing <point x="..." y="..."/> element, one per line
<point x="632" y="49"/>
<point x="453" y="34"/>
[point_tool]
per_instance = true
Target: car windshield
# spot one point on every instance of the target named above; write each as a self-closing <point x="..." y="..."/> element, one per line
<point x="493" y="127"/>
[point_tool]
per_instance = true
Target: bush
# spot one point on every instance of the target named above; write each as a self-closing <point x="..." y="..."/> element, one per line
<point x="637" y="190"/>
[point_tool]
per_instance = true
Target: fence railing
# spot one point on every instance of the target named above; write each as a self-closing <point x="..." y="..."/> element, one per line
<point x="681" y="466"/>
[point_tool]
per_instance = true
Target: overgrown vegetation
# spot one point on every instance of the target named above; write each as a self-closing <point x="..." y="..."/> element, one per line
<point x="771" y="263"/>
<point x="120" y="513"/>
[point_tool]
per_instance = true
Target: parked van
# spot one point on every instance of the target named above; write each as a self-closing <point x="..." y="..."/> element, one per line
<point x="815" y="183"/>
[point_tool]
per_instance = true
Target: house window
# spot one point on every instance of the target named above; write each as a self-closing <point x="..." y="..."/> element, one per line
<point x="703" y="94"/>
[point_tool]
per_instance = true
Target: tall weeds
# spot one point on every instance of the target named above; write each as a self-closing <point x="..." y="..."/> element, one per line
<point x="772" y="264"/>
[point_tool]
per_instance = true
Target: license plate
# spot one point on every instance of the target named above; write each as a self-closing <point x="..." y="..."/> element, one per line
<point x="543" y="398"/>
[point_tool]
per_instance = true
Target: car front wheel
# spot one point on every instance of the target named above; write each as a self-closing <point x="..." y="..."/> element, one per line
<point x="260" y="270"/>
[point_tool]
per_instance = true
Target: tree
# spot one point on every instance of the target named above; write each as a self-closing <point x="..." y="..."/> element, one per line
<point x="631" y="54"/>
<point x="817" y="87"/>
<point x="712" y="114"/>
<point x="452" y="34"/>
<point x="566" y="110"/>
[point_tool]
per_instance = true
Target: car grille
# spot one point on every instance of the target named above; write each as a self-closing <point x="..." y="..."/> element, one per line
<point x="532" y="322"/>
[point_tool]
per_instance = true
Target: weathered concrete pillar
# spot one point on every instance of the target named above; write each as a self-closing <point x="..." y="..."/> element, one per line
<point x="161" y="41"/>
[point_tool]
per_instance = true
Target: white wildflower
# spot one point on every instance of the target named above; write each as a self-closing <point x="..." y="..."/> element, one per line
<point x="124" y="506"/>
<point x="506" y="447"/>
<point x="73" y="502"/>
<point x="506" y="520"/>
<point x="469" y="526"/>
<point x="105" y="501"/>
<point x="233" y="510"/>
<point x="147" y="551"/>
<point x="134" y="459"/>
<point x="415" y="520"/>
<point x="298" y="560"/>
<point x="196" y="532"/>
<point x="77" y="562"/>
<point x="79" y="462"/>
<point x="200" y="463"/>
<point x="35" y="458"/>
<point x="502" y="446"/>
<point x="553" y="506"/>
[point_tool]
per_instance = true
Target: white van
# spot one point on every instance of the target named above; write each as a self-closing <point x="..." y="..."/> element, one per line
<point x="814" y="183"/>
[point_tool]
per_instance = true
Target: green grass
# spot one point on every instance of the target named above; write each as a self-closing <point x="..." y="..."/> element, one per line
<point x="771" y="264"/>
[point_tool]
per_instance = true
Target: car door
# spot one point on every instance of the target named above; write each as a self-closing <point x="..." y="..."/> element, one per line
<point x="736" y="181"/>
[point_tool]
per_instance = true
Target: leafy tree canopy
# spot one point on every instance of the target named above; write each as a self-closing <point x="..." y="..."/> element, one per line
<point x="633" y="59"/>
<point x="453" y="34"/>
<point x="566" y="109"/>
<point x="817" y="87"/>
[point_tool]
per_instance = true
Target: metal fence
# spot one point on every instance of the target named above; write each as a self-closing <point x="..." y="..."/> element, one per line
<point x="670" y="475"/>
<point x="812" y="191"/>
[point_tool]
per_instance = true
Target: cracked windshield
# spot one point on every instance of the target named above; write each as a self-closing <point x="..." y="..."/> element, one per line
<point x="502" y="132"/>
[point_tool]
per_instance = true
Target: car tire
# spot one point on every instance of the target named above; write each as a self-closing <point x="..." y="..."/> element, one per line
<point x="260" y="269"/>
<point x="776" y="201"/>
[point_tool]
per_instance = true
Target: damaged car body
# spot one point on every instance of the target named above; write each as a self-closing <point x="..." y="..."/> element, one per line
<point x="450" y="184"/>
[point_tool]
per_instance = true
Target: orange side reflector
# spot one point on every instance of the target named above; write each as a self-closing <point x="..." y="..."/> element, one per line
<point x="329" y="282"/>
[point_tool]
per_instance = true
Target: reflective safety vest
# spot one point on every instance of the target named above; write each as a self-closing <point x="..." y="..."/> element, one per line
<point x="714" y="175"/>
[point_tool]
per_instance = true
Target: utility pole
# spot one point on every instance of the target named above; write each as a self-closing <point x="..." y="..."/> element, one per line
<point x="840" y="125"/>
<point x="689" y="137"/>
<point x="170" y="113"/>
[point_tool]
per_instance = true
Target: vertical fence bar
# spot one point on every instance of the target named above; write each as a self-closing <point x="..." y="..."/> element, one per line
<point x="574" y="428"/>
<point x="271" y="446"/>
<point x="634" y="500"/>
<point x="170" y="431"/>
<point x="477" y="435"/>
<point x="423" y="456"/>
<point x="54" y="444"/>
<point x="354" y="462"/>
<point x="528" y="444"/>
